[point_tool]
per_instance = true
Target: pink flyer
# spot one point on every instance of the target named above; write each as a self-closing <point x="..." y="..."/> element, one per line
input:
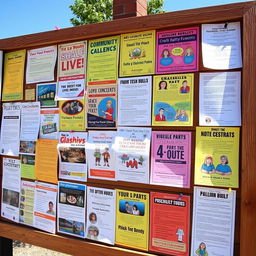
<point x="177" y="50"/>
<point x="171" y="158"/>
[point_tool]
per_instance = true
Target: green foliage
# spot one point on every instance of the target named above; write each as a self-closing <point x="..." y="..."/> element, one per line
<point x="93" y="11"/>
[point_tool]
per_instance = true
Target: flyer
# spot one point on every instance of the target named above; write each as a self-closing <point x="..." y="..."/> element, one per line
<point x="173" y="100"/>
<point x="171" y="158"/>
<point x="14" y="63"/>
<point x="49" y="126"/>
<point x="71" y="209"/>
<point x="72" y="115"/>
<point x="177" y="50"/>
<point x="132" y="219"/>
<point x="134" y="101"/>
<point x="137" y="56"/>
<point x="40" y="64"/>
<point x="1" y="72"/>
<point x="220" y="99"/>
<point x="101" y="155"/>
<point x="101" y="214"/>
<point x="169" y="223"/>
<point x="103" y="56"/>
<point x="213" y="222"/>
<point x="45" y="207"/>
<point x="72" y="157"/>
<point x="217" y="156"/>
<point x="45" y="94"/>
<point x="101" y="106"/>
<point x="71" y="70"/>
<point x="46" y="160"/>
<point x="10" y="189"/>
<point x="27" y="166"/>
<point x="10" y="129"/>
<point x="132" y="147"/>
<point x="27" y="199"/>
<point x="228" y="54"/>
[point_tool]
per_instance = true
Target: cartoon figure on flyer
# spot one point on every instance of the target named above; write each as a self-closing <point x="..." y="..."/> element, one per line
<point x="109" y="111"/>
<point x="106" y="157"/>
<point x="184" y="88"/>
<point x="189" y="55"/>
<point x="132" y="163"/>
<point x="166" y="58"/>
<point x="141" y="160"/>
<point x="181" y="115"/>
<point x="124" y="158"/>
<point x="201" y="251"/>
<point x="223" y="168"/>
<point x="180" y="234"/>
<point x="97" y="156"/>
<point x="160" y="116"/>
<point x="208" y="166"/>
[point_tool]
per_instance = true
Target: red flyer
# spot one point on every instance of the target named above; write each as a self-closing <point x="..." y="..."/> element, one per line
<point x="169" y="223"/>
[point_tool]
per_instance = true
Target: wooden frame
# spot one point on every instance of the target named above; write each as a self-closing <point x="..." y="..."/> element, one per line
<point x="246" y="206"/>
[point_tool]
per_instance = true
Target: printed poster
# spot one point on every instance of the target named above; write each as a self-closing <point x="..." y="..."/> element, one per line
<point x="27" y="166"/>
<point x="27" y="199"/>
<point x="71" y="70"/>
<point x="41" y="64"/>
<point x="217" y="156"/>
<point x="101" y="106"/>
<point x="1" y="72"/>
<point x="132" y="147"/>
<point x="220" y="99"/>
<point x="46" y="160"/>
<point x="171" y="158"/>
<point x="134" y="101"/>
<point x="45" y="207"/>
<point x="49" y="126"/>
<point x="173" y="100"/>
<point x="101" y="214"/>
<point x="14" y="63"/>
<point x="137" y="55"/>
<point x="169" y="223"/>
<point x="72" y="157"/>
<point x="71" y="209"/>
<point x="10" y="129"/>
<point x="45" y="94"/>
<point x="213" y="222"/>
<point x="72" y="115"/>
<point x="101" y="155"/>
<point x="10" y="189"/>
<point x="177" y="50"/>
<point x="103" y="63"/>
<point x="132" y="219"/>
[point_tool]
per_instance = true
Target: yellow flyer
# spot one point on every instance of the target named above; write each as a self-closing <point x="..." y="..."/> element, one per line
<point x="13" y="75"/>
<point x="103" y="56"/>
<point x="132" y="219"/>
<point x="217" y="154"/>
<point x="72" y="115"/>
<point x="173" y="100"/>
<point x="46" y="160"/>
<point x="137" y="54"/>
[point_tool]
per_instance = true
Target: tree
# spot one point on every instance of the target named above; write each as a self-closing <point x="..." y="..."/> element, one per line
<point x="93" y="11"/>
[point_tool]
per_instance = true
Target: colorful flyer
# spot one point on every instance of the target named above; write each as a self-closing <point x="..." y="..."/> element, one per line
<point x="134" y="101"/>
<point x="14" y="64"/>
<point x="101" y="106"/>
<point x="103" y="56"/>
<point x="72" y="157"/>
<point x="72" y="115"/>
<point x="132" y="219"/>
<point x="1" y="71"/>
<point x="132" y="148"/>
<point x="46" y="160"/>
<point x="41" y="64"/>
<point x="101" y="214"/>
<point x="45" y="94"/>
<point x="71" y="209"/>
<point x="177" y="50"/>
<point x="137" y="55"/>
<point x="71" y="70"/>
<point x="169" y="223"/>
<point x="101" y="155"/>
<point x="27" y="166"/>
<point x="173" y="100"/>
<point x="213" y="222"/>
<point x="171" y="158"/>
<point x="217" y="156"/>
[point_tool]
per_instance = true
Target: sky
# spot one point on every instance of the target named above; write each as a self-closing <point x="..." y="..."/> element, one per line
<point x="21" y="17"/>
